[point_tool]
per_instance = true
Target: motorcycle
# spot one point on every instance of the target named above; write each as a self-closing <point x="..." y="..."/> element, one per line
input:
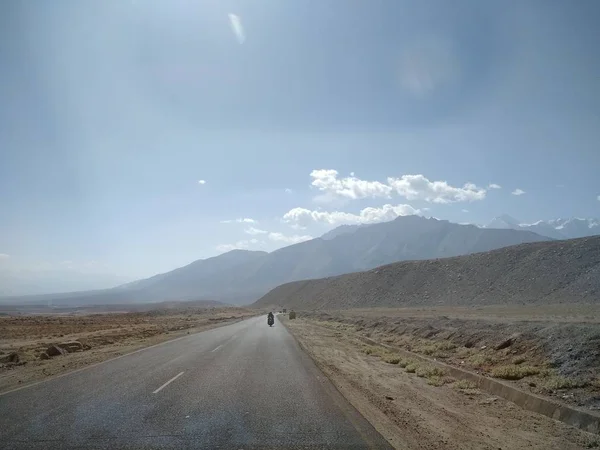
<point x="270" y="320"/>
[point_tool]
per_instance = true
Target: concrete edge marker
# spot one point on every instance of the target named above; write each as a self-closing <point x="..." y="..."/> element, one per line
<point x="585" y="420"/>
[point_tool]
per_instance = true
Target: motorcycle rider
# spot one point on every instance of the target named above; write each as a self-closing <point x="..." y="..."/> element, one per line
<point x="270" y="318"/>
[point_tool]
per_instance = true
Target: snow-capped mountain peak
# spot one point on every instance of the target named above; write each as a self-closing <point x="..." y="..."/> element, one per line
<point x="503" y="221"/>
<point x="560" y="228"/>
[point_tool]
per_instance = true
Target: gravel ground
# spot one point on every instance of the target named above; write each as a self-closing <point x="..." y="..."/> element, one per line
<point x="427" y="412"/>
<point x="566" y="352"/>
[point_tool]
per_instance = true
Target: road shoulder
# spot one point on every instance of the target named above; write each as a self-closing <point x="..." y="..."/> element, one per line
<point x="416" y="412"/>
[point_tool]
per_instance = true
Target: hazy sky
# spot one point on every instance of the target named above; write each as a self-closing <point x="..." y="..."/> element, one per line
<point x="131" y="130"/>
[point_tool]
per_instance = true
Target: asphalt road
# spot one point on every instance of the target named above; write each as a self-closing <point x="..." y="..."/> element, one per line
<point x="240" y="386"/>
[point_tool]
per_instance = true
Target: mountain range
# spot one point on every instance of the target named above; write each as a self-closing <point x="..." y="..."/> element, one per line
<point x="556" y="229"/>
<point x="241" y="276"/>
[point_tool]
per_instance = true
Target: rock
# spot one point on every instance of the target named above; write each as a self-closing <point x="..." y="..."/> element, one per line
<point x="12" y="357"/>
<point x="507" y="342"/>
<point x="72" y="346"/>
<point x="488" y="401"/>
<point x="55" y="350"/>
<point x="389" y="398"/>
<point x="44" y="355"/>
<point x="504" y="344"/>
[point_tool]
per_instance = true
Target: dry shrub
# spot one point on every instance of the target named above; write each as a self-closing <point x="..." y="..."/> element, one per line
<point x="391" y="359"/>
<point x="514" y="372"/>
<point x="465" y="384"/>
<point x="430" y="371"/>
<point x="411" y="367"/>
<point x="436" y="349"/>
<point x="560" y="382"/>
<point x="482" y="359"/>
<point x="436" y="381"/>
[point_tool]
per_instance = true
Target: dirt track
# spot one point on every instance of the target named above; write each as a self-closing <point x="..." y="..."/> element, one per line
<point x="428" y="411"/>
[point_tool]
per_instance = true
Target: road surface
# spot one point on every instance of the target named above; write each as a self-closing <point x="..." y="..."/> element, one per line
<point x="240" y="386"/>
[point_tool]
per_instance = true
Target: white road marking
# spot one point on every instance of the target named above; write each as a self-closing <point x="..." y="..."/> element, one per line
<point x="167" y="383"/>
<point x="225" y="343"/>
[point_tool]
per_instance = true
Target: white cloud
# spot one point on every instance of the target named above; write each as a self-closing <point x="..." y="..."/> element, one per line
<point x="412" y="187"/>
<point x="226" y="247"/>
<point x="235" y="22"/>
<point x="240" y="220"/>
<point x="465" y="210"/>
<point x="4" y="256"/>
<point x="598" y="198"/>
<point x="295" y="226"/>
<point x="518" y="192"/>
<point x="294" y="239"/>
<point x="417" y="187"/>
<point x="327" y="181"/>
<point x="254" y="231"/>
<point x="303" y="217"/>
<point x="239" y="245"/>
<point x="288" y="191"/>
<point x="494" y="186"/>
<point x="201" y="181"/>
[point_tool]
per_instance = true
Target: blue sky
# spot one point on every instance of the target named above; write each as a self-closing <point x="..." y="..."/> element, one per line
<point x="111" y="112"/>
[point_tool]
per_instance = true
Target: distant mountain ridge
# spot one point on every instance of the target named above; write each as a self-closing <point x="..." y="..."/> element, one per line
<point x="570" y="228"/>
<point x="21" y="281"/>
<point x="342" y="229"/>
<point x="243" y="276"/>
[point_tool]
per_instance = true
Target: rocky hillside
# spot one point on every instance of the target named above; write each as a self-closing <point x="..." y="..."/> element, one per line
<point x="533" y="273"/>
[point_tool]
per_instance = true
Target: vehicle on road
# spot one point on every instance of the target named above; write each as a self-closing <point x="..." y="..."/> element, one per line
<point x="270" y="319"/>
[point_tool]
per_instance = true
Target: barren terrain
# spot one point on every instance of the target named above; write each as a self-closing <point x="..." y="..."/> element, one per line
<point x="28" y="343"/>
<point x="552" y="352"/>
<point x="540" y="273"/>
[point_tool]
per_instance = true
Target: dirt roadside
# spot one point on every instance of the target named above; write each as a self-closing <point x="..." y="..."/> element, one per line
<point x="101" y="337"/>
<point x="427" y="410"/>
<point x="552" y="351"/>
